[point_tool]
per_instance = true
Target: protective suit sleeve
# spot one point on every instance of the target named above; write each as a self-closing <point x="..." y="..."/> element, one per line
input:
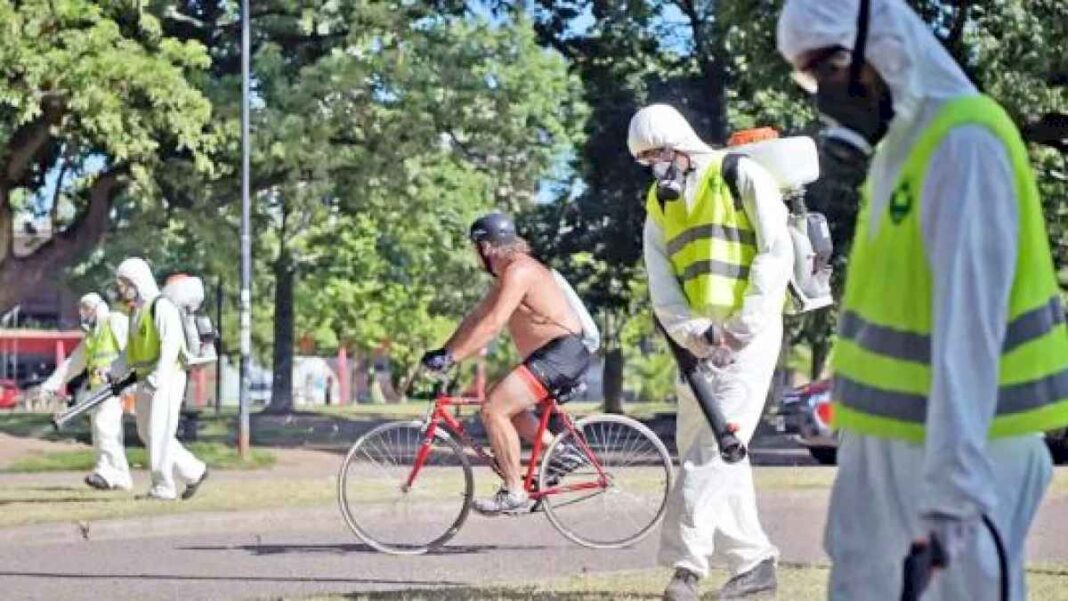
<point x="66" y="370"/>
<point x="970" y="228"/>
<point x="771" y="268"/>
<point x="669" y="301"/>
<point x="171" y="338"/>
<point x="120" y="327"/>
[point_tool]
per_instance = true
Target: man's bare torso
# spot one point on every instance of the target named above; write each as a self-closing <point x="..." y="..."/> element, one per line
<point x="544" y="313"/>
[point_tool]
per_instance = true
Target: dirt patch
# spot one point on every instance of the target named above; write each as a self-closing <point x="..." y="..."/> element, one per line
<point x="15" y="447"/>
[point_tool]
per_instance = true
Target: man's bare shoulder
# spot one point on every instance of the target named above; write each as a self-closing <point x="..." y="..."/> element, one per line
<point x="523" y="270"/>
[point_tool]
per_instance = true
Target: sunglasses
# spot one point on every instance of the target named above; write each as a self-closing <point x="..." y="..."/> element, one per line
<point x="649" y="157"/>
<point x="823" y="64"/>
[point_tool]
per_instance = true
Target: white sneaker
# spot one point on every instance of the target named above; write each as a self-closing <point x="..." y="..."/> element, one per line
<point x="504" y="501"/>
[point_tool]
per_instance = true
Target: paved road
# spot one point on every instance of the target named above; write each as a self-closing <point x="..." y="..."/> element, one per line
<point x="307" y="552"/>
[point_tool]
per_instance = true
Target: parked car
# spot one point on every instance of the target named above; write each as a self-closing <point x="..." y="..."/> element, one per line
<point x="805" y="412"/>
<point x="9" y="393"/>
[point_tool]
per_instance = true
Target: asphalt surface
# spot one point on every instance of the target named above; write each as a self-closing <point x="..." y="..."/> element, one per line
<point x="310" y="552"/>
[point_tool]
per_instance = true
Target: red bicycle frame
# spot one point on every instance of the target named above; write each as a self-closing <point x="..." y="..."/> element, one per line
<point x="440" y="415"/>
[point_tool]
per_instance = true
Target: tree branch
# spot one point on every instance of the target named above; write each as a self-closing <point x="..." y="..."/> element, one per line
<point x="18" y="274"/>
<point x="32" y="138"/>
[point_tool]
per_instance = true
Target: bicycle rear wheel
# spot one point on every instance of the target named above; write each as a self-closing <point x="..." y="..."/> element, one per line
<point x="387" y="514"/>
<point x="629" y="506"/>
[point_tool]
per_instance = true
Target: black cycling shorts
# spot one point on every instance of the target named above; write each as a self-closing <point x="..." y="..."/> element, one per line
<point x="557" y="367"/>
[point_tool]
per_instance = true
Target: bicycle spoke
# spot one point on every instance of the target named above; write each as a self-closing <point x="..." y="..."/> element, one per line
<point x="639" y="471"/>
<point x="394" y="518"/>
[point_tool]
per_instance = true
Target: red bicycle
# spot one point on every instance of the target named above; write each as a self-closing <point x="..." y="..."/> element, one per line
<point x="406" y="487"/>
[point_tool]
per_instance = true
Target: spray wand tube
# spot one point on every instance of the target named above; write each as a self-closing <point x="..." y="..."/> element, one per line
<point x="924" y="558"/>
<point x="113" y="389"/>
<point x="731" y="448"/>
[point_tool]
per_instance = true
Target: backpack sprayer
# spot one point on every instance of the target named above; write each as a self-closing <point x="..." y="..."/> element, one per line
<point x="198" y="347"/>
<point x="793" y="163"/>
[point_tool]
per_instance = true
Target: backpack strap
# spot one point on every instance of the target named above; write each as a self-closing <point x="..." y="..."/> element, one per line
<point x="729" y="171"/>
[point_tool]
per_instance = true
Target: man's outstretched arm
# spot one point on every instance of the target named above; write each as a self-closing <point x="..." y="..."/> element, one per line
<point x="492" y="313"/>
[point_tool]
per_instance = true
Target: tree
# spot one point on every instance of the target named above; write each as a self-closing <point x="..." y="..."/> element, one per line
<point x="96" y="95"/>
<point x="481" y="112"/>
<point x="712" y="59"/>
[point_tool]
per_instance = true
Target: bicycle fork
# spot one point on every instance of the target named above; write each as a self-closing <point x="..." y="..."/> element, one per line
<point x="421" y="454"/>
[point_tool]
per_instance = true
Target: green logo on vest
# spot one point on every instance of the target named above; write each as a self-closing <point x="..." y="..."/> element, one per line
<point x="901" y="202"/>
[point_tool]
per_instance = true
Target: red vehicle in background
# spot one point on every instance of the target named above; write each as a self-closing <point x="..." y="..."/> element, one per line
<point x="805" y="412"/>
<point x="9" y="393"/>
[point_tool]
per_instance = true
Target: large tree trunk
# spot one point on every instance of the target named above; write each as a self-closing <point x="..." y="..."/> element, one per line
<point x="612" y="375"/>
<point x="282" y="383"/>
<point x="20" y="274"/>
<point x="613" y="381"/>
<point x="820" y="352"/>
<point x="282" y="380"/>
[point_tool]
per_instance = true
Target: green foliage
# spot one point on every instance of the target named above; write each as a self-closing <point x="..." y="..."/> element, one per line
<point x="96" y="96"/>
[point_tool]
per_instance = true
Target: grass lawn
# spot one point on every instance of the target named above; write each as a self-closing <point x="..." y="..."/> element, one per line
<point x="32" y="504"/>
<point x="796" y="583"/>
<point x="216" y="455"/>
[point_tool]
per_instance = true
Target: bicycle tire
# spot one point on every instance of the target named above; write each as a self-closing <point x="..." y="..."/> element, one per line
<point x="360" y="514"/>
<point x="609" y="437"/>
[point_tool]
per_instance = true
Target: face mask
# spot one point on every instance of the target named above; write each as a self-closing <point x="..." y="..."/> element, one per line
<point x="856" y="121"/>
<point x="670" y="180"/>
<point x="841" y="107"/>
<point x="126" y="292"/>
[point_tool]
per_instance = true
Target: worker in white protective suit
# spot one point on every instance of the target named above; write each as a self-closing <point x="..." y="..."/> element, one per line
<point x="105" y="337"/>
<point x="952" y="354"/>
<point x="154" y="351"/>
<point x="719" y="257"/>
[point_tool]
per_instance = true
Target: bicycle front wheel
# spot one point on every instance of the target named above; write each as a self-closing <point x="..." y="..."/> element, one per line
<point x="388" y="513"/>
<point x="625" y="508"/>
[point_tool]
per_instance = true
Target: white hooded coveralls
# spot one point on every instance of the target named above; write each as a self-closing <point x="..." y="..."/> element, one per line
<point x="106" y="419"/>
<point x="160" y="394"/>
<point x="970" y="227"/>
<point x="712" y="510"/>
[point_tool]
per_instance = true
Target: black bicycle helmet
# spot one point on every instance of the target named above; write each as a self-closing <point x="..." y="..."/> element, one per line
<point x="495" y="228"/>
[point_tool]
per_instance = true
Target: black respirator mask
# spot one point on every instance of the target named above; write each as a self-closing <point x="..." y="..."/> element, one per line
<point x="670" y="180"/>
<point x="856" y="121"/>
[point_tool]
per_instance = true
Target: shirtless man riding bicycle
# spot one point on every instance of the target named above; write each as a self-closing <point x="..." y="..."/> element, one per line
<point x="529" y="299"/>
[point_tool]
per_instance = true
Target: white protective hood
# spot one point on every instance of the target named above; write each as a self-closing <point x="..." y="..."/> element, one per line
<point x="662" y="126"/>
<point x="137" y="271"/>
<point x="900" y="47"/>
<point x="99" y="306"/>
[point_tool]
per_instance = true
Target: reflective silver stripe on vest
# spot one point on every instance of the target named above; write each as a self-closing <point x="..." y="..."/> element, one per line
<point x="711" y="230"/>
<point x="884" y="340"/>
<point x="1026" y="396"/>
<point x="711" y="266"/>
<point x="902" y="406"/>
<point x="905" y="406"/>
<point x="1033" y="324"/>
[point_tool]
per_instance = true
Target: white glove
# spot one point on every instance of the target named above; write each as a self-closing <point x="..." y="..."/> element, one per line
<point x="693" y="336"/>
<point x="954" y="533"/>
<point x="721" y="356"/>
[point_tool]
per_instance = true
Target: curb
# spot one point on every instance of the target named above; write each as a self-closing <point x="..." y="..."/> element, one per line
<point x="275" y="520"/>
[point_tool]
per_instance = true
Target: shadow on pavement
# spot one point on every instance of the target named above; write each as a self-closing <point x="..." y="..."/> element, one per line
<point x="341" y="549"/>
<point x="237" y="578"/>
<point x="62" y="500"/>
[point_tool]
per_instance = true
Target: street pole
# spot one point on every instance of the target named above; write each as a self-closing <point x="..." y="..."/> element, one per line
<point x="246" y="244"/>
